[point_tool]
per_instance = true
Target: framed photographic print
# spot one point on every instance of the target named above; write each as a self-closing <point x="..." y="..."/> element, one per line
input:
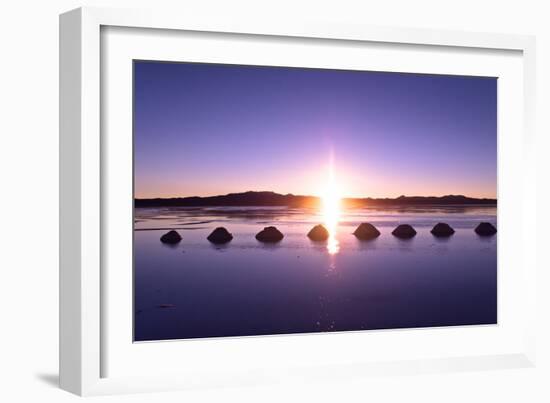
<point x="238" y="197"/>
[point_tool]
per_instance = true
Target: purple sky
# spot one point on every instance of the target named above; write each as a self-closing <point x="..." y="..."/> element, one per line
<point x="205" y="129"/>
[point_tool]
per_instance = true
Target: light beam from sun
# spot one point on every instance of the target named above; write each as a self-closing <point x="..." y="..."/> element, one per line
<point x="331" y="209"/>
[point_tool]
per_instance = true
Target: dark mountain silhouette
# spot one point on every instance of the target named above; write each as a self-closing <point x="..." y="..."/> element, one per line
<point x="272" y="199"/>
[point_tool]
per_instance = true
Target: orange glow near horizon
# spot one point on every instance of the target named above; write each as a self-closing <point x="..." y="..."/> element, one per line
<point x="310" y="179"/>
<point x="331" y="209"/>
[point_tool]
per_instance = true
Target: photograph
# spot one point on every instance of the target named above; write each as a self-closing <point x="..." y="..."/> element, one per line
<point x="277" y="200"/>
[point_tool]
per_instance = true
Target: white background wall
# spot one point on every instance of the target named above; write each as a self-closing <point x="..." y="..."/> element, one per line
<point x="28" y="169"/>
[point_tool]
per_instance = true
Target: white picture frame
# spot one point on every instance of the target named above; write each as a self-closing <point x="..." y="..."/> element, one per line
<point x="83" y="177"/>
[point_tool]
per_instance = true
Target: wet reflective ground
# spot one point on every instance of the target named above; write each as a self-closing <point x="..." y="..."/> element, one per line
<point x="196" y="289"/>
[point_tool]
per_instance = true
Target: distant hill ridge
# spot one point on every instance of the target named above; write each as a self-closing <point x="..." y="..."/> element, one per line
<point x="272" y="199"/>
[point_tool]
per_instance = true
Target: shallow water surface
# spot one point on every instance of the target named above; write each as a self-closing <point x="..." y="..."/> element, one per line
<point x="197" y="289"/>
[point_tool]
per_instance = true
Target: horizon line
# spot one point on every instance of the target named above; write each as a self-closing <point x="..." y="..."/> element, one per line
<point x="316" y="196"/>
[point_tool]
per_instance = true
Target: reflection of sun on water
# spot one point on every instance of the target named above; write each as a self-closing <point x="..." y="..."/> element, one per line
<point x="331" y="211"/>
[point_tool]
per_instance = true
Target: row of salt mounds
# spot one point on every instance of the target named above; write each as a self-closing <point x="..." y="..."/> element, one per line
<point x="365" y="231"/>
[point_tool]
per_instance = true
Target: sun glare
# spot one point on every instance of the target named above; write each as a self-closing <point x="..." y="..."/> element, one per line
<point x="331" y="210"/>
